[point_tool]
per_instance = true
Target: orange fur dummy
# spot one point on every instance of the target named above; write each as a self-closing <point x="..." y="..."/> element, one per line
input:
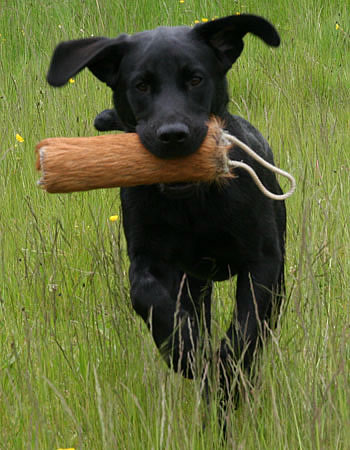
<point x="116" y="160"/>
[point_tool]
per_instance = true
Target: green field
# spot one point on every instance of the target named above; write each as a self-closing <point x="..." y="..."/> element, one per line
<point x="78" y="368"/>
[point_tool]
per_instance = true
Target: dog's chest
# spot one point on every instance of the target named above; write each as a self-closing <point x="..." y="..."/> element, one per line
<point x="207" y="235"/>
<point x="200" y="241"/>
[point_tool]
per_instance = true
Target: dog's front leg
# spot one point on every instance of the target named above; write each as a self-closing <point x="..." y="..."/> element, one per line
<point x="259" y="292"/>
<point x="171" y="304"/>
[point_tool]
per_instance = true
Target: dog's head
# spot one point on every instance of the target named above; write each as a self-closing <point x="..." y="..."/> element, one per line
<point x="167" y="82"/>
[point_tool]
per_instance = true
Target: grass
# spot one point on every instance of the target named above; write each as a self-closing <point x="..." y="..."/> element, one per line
<point x="78" y="368"/>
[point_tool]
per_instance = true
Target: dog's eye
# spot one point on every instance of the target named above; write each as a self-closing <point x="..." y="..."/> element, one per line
<point x="195" y="81"/>
<point x="142" y="86"/>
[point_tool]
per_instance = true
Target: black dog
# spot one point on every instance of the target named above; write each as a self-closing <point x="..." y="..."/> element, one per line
<point x="181" y="238"/>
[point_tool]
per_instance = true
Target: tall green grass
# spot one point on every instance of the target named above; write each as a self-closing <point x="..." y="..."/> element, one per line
<point x="77" y="367"/>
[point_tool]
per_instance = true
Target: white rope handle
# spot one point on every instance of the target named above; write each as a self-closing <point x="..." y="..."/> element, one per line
<point x="227" y="138"/>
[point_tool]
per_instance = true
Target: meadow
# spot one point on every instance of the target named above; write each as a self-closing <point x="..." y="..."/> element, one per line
<point x="78" y="368"/>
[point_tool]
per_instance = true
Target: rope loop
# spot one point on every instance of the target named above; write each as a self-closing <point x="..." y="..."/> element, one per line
<point x="227" y="139"/>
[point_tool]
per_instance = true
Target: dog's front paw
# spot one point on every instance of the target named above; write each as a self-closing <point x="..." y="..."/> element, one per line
<point x="108" y="120"/>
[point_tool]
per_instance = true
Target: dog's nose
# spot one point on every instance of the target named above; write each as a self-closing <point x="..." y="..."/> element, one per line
<point x="173" y="134"/>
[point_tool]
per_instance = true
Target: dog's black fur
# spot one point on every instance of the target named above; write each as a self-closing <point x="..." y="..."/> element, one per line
<point x="181" y="238"/>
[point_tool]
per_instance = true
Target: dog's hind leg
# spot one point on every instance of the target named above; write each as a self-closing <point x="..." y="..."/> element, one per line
<point x="175" y="308"/>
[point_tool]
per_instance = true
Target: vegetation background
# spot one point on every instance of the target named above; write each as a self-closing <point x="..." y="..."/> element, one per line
<point x="77" y="367"/>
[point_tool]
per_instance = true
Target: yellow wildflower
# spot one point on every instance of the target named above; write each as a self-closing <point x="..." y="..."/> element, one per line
<point x="70" y="448"/>
<point x="196" y="21"/>
<point x="71" y="80"/>
<point x="204" y="19"/>
<point x="337" y="26"/>
<point x="19" y="138"/>
<point x="113" y="218"/>
<point x="182" y="1"/>
<point x="238" y="13"/>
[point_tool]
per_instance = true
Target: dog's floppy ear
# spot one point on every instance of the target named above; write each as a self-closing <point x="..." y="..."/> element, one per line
<point x="226" y="35"/>
<point x="101" y="55"/>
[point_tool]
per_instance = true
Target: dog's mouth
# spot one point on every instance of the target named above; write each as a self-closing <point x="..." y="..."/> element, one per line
<point x="178" y="190"/>
<point x="171" y="141"/>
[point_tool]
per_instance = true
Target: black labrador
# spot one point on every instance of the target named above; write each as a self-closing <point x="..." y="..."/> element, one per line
<point x="182" y="238"/>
